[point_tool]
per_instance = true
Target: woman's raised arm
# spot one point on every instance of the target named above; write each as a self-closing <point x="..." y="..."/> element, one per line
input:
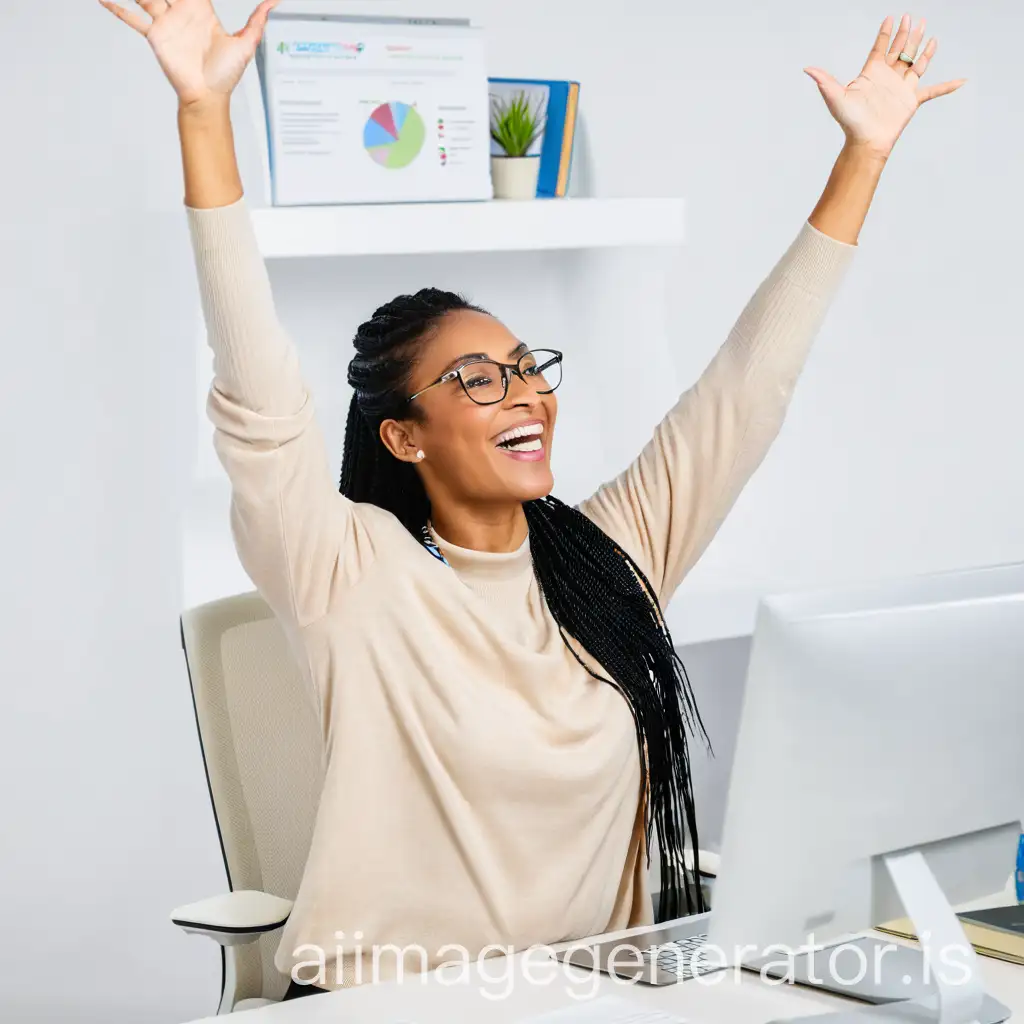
<point x="667" y="505"/>
<point x="297" y="537"/>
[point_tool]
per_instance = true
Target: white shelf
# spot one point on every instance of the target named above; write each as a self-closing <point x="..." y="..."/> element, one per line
<point x="495" y="226"/>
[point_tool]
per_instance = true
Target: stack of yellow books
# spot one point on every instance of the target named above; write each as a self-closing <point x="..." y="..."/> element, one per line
<point x="997" y="932"/>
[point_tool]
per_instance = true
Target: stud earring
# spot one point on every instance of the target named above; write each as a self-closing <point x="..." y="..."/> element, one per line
<point x="420" y="455"/>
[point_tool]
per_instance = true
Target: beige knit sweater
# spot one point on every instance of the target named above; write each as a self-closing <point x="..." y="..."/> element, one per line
<point x="481" y="787"/>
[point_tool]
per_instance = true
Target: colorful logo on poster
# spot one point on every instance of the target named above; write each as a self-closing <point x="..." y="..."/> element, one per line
<point x="321" y="49"/>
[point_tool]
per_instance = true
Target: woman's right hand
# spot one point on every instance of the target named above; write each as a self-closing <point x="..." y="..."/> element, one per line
<point x="201" y="60"/>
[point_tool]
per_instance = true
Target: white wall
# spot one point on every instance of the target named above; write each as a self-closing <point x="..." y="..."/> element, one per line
<point x="900" y="454"/>
<point x="899" y="445"/>
<point x="105" y="824"/>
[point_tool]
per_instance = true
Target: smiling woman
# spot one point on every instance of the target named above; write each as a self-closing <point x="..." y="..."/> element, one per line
<point x="513" y="704"/>
<point x="486" y="382"/>
<point x="430" y="380"/>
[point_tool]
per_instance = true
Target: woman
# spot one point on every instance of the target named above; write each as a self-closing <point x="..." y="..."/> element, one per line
<point x="504" y="716"/>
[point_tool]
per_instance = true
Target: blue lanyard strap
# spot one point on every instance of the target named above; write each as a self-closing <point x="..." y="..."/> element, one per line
<point x="431" y="546"/>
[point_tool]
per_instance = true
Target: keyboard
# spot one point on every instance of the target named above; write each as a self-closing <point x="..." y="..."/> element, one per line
<point x="684" y="958"/>
<point x="662" y="955"/>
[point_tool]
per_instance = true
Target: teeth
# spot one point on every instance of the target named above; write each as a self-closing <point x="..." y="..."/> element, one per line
<point x="533" y="430"/>
<point x="534" y="445"/>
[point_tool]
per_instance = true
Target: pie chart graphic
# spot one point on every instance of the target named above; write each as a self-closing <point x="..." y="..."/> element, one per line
<point x="394" y="135"/>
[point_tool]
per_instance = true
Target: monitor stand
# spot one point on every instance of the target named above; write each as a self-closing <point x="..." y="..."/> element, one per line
<point x="949" y="1000"/>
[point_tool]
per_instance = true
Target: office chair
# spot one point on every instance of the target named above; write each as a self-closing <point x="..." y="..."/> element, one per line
<point x="261" y="742"/>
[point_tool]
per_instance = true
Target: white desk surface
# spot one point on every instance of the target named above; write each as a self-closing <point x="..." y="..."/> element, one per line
<point x="427" y="999"/>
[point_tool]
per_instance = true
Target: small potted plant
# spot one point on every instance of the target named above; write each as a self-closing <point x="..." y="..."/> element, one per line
<point x="516" y="124"/>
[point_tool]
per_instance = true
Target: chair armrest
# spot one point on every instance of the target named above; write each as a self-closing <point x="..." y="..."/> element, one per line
<point x="235" y="918"/>
<point x="709" y="862"/>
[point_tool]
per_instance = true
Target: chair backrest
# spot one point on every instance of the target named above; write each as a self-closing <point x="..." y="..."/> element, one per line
<point x="263" y="750"/>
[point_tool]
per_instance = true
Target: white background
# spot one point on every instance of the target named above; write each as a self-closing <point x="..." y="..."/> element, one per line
<point x="900" y="454"/>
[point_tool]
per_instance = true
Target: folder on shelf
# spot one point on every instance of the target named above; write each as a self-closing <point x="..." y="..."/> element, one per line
<point x="558" y="101"/>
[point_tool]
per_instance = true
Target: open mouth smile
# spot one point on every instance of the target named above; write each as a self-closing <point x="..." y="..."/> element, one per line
<point x="522" y="442"/>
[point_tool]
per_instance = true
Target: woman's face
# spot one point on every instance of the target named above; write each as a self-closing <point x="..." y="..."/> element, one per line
<point x="463" y="459"/>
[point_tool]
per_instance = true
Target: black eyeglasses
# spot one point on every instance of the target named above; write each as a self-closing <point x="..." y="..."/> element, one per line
<point x="486" y="381"/>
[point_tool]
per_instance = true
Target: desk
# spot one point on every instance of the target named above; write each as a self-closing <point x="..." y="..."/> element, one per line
<point x="429" y="999"/>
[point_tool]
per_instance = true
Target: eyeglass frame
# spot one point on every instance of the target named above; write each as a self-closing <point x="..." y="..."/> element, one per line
<point x="507" y="369"/>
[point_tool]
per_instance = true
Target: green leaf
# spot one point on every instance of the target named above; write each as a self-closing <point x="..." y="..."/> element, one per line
<point x="515" y="124"/>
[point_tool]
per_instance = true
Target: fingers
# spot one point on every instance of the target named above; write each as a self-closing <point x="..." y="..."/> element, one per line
<point x="154" y="8"/>
<point x="899" y="41"/>
<point x="932" y="92"/>
<point x="131" y="18"/>
<point x="921" y="64"/>
<point x="913" y="43"/>
<point x="881" y="44"/>
<point x="253" y="31"/>
<point x="911" y="46"/>
<point x="831" y="90"/>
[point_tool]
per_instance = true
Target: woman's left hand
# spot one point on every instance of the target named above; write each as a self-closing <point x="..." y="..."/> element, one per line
<point x="878" y="104"/>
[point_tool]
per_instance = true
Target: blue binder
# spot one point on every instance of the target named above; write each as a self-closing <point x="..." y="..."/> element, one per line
<point x="559" y="133"/>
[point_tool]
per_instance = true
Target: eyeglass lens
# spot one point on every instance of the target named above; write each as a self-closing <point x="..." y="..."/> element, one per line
<point x="486" y="382"/>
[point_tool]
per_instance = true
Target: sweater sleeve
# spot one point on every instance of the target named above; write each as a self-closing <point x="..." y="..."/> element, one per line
<point x="666" y="506"/>
<point x="295" y="534"/>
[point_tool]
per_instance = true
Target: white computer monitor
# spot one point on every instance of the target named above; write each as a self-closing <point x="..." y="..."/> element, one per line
<point x="879" y="767"/>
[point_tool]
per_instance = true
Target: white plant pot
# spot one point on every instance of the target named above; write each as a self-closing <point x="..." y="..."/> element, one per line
<point x="515" y="177"/>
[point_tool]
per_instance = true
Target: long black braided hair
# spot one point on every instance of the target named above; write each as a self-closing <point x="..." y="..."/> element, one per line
<point x="596" y="593"/>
